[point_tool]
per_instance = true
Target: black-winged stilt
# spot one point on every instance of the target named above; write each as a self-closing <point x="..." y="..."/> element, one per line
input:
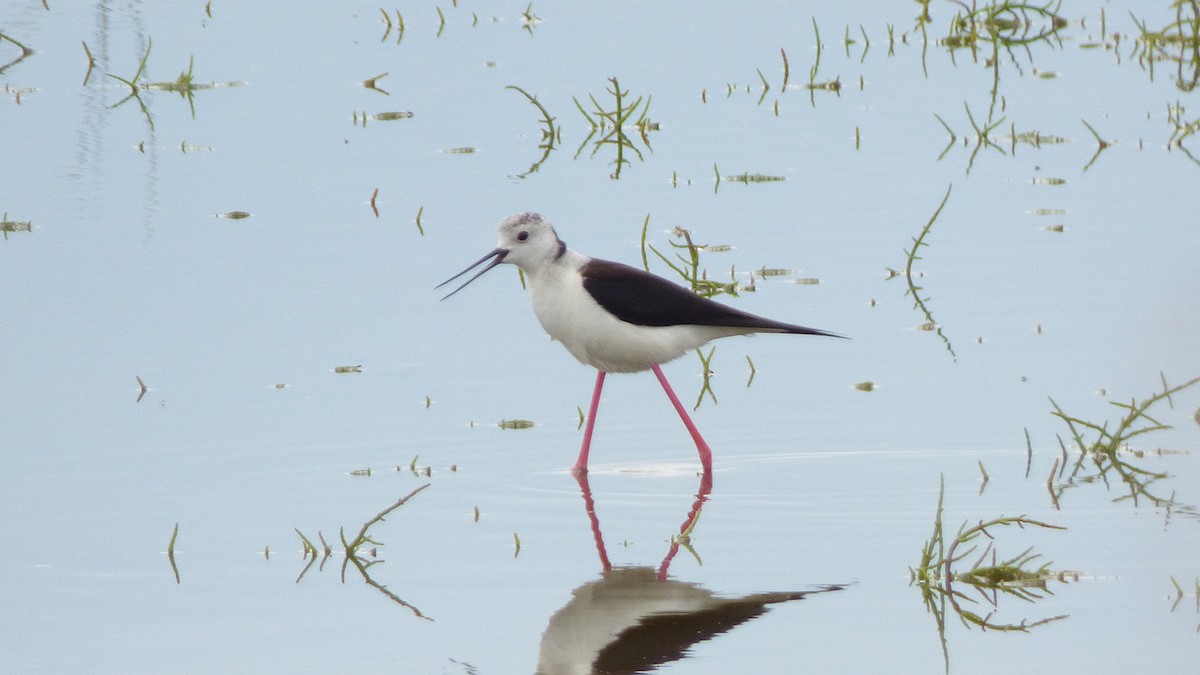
<point x="613" y="317"/>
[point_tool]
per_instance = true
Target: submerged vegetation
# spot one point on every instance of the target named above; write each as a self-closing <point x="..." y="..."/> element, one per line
<point x="185" y="85"/>
<point x="1006" y="24"/>
<point x="360" y="552"/>
<point x="7" y="225"/>
<point x="550" y="133"/>
<point x="25" y="52"/>
<point x="686" y="263"/>
<point x="984" y="579"/>
<point x="615" y="124"/>
<point x="1105" y="450"/>
<point x="956" y="577"/>
<point x="910" y="255"/>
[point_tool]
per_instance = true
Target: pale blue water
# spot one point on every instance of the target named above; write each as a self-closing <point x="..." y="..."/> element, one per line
<point x="126" y="271"/>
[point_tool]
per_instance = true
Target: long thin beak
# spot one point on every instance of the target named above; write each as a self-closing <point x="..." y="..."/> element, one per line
<point x="497" y="253"/>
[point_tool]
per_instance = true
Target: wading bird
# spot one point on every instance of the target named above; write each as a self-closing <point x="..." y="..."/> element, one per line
<point x="613" y="317"/>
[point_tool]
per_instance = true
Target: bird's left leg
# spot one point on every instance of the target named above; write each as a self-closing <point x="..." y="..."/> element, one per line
<point x="701" y="445"/>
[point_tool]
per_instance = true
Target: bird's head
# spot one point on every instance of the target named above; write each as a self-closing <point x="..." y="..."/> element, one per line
<point x="526" y="240"/>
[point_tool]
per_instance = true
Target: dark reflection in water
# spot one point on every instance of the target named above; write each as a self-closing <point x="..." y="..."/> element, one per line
<point x="635" y="619"/>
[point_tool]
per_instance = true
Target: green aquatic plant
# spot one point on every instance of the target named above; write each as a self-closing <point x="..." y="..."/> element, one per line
<point x="985" y="137"/>
<point x="786" y="69"/>
<point x="550" y="133"/>
<point x="688" y="267"/>
<point x="1181" y="128"/>
<point x="373" y="83"/>
<point x="615" y="125"/>
<point x="91" y="64"/>
<point x="1101" y="145"/>
<point x="171" y="552"/>
<point x="942" y="564"/>
<point x="26" y="52"/>
<point x="134" y="84"/>
<point x="529" y="20"/>
<point x="1007" y="24"/>
<point x="387" y="22"/>
<point x="706" y="387"/>
<point x="983" y="131"/>
<point x="999" y="26"/>
<point x="913" y="289"/>
<point x="766" y="86"/>
<point x="356" y="556"/>
<point x="816" y="66"/>
<point x="1180" y="594"/>
<point x="357" y="117"/>
<point x="7" y="225"/>
<point x="1177" y="42"/>
<point x="748" y="178"/>
<point x="1105" y="450"/>
<point x="184" y="85"/>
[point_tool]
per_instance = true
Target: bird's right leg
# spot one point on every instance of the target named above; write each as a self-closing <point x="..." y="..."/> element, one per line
<point x="581" y="463"/>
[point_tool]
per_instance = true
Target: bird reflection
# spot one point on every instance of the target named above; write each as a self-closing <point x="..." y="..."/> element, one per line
<point x="685" y="529"/>
<point x="635" y="619"/>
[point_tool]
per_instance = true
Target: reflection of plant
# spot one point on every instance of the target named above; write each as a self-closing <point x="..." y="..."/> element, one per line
<point x="1110" y="452"/>
<point x="1007" y="24"/>
<point x="133" y="84"/>
<point x="1002" y="25"/>
<point x="387" y="21"/>
<point x="184" y="85"/>
<point x="1182" y="127"/>
<point x="991" y="577"/>
<point x="25" y="52"/>
<point x="355" y="556"/>
<point x="1179" y="594"/>
<point x="1178" y="41"/>
<point x="612" y="123"/>
<point x="529" y="20"/>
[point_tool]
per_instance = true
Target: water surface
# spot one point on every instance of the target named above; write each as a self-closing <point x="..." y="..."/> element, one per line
<point x="1052" y="272"/>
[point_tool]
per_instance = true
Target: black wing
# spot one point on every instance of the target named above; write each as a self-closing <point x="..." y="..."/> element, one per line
<point x="644" y="299"/>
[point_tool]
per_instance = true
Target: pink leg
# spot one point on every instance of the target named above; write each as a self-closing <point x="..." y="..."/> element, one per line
<point x="581" y="463"/>
<point x="701" y="446"/>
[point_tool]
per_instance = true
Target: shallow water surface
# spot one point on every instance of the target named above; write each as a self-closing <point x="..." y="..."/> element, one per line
<point x="223" y="343"/>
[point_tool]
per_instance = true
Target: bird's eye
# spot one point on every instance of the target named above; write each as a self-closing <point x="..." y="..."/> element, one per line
<point x="522" y="235"/>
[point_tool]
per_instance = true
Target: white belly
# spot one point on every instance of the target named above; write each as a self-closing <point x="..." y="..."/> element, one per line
<point x="595" y="337"/>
